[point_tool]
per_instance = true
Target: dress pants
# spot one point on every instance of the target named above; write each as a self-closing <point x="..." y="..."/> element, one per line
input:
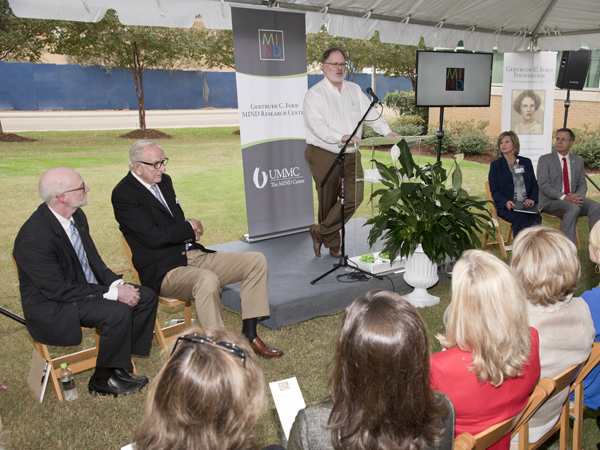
<point x="570" y="212"/>
<point x="124" y="330"/>
<point x="329" y="213"/>
<point x="519" y="220"/>
<point x="204" y="275"/>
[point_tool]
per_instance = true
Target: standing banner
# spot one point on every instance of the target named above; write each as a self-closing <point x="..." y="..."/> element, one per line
<point x="270" y="63"/>
<point x="528" y="100"/>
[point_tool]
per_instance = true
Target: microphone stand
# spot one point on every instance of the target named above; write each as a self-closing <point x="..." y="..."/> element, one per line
<point x="339" y="161"/>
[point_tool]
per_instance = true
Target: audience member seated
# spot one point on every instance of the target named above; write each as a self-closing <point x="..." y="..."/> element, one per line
<point x="491" y="363"/>
<point x="208" y="395"/>
<point x="546" y="263"/>
<point x="591" y="383"/>
<point x="380" y="396"/>
<point x="512" y="180"/>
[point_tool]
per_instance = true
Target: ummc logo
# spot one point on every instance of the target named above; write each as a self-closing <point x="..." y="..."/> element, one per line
<point x="257" y="183"/>
<point x="277" y="177"/>
<point x="270" y="44"/>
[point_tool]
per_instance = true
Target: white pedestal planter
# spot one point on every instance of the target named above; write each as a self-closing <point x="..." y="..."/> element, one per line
<point x="422" y="274"/>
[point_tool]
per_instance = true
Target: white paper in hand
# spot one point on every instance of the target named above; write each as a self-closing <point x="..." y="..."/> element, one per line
<point x="288" y="401"/>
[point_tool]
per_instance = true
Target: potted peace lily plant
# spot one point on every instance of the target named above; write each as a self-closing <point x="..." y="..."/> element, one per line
<point x="425" y="216"/>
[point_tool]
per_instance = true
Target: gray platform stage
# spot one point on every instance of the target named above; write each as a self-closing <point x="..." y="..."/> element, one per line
<point x="293" y="264"/>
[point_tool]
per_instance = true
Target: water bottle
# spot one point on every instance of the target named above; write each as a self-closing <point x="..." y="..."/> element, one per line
<point x="68" y="383"/>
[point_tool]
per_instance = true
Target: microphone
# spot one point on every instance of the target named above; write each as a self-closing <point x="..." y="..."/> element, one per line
<point x="372" y="94"/>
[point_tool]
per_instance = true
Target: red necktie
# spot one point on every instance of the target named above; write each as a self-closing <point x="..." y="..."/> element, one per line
<point x="566" y="185"/>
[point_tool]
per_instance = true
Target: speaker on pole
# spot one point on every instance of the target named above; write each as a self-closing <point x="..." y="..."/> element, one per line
<point x="573" y="69"/>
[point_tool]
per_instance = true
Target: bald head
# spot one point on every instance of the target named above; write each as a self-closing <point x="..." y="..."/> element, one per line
<point x="56" y="181"/>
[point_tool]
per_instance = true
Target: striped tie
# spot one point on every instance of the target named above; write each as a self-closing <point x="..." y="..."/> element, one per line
<point x="78" y="246"/>
<point x="159" y="197"/>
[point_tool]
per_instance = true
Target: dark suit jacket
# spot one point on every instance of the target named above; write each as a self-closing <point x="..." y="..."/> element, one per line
<point x="550" y="176"/>
<point x="502" y="185"/>
<point x="51" y="279"/>
<point x="156" y="238"/>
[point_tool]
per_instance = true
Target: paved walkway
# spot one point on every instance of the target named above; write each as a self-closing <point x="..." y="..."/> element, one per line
<point x="17" y="121"/>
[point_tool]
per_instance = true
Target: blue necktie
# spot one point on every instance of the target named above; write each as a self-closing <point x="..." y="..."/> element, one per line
<point x="159" y="197"/>
<point x="78" y="246"/>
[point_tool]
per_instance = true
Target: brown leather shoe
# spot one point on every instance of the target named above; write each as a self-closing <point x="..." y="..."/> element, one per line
<point x="336" y="252"/>
<point x="261" y="349"/>
<point x="315" y="237"/>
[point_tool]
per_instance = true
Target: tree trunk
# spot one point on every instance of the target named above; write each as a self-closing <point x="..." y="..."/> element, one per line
<point x="142" y="107"/>
<point x="1" y="127"/>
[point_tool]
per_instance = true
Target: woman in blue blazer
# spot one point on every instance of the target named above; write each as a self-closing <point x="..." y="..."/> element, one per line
<point x="507" y="172"/>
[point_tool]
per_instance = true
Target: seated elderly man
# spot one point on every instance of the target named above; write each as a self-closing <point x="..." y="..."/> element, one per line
<point x="65" y="285"/>
<point x="169" y="259"/>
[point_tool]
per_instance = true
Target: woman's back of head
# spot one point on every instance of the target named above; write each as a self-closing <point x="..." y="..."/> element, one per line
<point x="488" y="317"/>
<point x="207" y="395"/>
<point x="380" y="383"/>
<point x="547" y="264"/>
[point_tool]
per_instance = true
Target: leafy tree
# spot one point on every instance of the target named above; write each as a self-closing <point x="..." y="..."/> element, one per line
<point x="400" y="60"/>
<point x="22" y="39"/>
<point x="135" y="48"/>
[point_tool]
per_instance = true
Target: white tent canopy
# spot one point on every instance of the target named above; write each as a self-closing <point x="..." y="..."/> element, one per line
<point x="508" y="25"/>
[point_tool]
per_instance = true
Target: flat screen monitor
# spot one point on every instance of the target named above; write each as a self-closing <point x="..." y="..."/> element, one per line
<point x="453" y="78"/>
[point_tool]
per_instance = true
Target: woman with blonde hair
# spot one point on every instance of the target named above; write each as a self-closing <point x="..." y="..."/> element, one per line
<point x="513" y="184"/>
<point x="208" y="395"/>
<point x="491" y="362"/>
<point x="380" y="395"/>
<point x="546" y="263"/>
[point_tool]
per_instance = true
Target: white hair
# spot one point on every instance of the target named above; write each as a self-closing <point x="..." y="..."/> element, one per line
<point x="136" y="151"/>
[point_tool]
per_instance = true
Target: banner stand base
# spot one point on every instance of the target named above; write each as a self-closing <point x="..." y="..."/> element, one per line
<point x="252" y="239"/>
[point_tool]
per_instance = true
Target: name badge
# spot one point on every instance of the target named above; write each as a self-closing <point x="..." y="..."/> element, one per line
<point x="519" y="169"/>
<point x="353" y="107"/>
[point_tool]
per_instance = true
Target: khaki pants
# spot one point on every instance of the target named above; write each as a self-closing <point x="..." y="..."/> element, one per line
<point x="204" y="275"/>
<point x="329" y="213"/>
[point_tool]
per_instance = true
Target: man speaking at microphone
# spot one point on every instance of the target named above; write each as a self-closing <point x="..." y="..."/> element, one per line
<point x="332" y="109"/>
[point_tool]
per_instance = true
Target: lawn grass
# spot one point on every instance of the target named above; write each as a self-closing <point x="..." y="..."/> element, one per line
<point x="206" y="167"/>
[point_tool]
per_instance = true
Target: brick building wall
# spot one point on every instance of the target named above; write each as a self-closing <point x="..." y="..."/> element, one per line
<point x="585" y="108"/>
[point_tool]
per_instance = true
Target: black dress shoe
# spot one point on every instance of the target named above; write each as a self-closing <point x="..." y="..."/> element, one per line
<point x="123" y="374"/>
<point x="120" y="383"/>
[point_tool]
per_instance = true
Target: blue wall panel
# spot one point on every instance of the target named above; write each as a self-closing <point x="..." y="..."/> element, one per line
<point x="47" y="86"/>
<point x="72" y="87"/>
<point x="385" y="85"/>
<point x="30" y="87"/>
<point x="223" y="89"/>
<point x="95" y="92"/>
<point x="22" y="86"/>
<point x="192" y="86"/>
<point x="118" y="84"/>
<point x="6" y="103"/>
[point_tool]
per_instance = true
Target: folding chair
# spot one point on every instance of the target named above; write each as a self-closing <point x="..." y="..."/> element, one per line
<point x="487" y="438"/>
<point x="495" y="221"/>
<point x="167" y="335"/>
<point x="78" y="362"/>
<point x="551" y="217"/>
<point x="576" y="413"/>
<point x="562" y="380"/>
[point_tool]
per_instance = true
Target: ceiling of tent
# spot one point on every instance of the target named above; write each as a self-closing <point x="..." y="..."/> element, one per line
<point x="508" y="25"/>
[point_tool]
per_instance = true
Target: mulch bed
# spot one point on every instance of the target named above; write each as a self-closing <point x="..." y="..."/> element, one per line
<point x="11" y="137"/>
<point x="146" y="134"/>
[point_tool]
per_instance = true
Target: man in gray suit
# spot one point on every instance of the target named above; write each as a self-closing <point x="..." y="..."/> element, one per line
<point x="561" y="179"/>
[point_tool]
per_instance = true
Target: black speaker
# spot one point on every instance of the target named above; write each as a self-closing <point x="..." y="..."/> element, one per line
<point x="573" y="69"/>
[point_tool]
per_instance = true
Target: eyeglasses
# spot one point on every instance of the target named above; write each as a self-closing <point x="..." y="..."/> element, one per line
<point x="156" y="165"/>
<point x="558" y="139"/>
<point x="201" y="339"/>
<point x="337" y="65"/>
<point x="81" y="188"/>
